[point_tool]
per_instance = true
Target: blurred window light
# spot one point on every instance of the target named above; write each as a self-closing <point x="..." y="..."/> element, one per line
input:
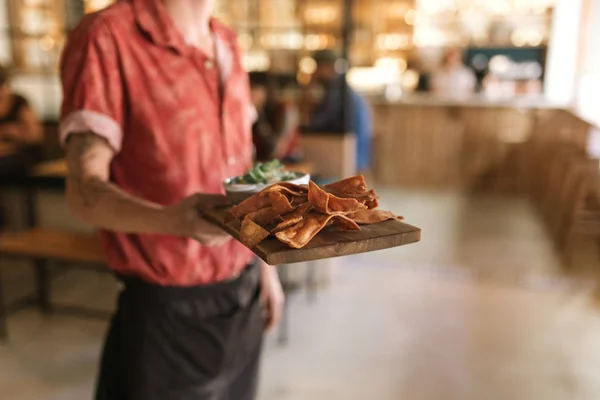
<point x="34" y="22"/>
<point x="410" y="17"/>
<point x="256" y="61"/>
<point x="410" y="80"/>
<point x="307" y="65"/>
<point x="369" y="79"/>
<point x="314" y="42"/>
<point x="393" y="92"/>
<point x="329" y="41"/>
<point x="95" y="5"/>
<point x="288" y="41"/>
<point x="393" y="41"/>
<point x="341" y="66"/>
<point x="320" y="14"/>
<point x="500" y="64"/>
<point x="391" y="64"/>
<point x="499" y="7"/>
<point x="268" y="41"/>
<point x="292" y="41"/>
<point x="47" y="43"/>
<point x="397" y="10"/>
<point x="472" y="20"/>
<point x="436" y="6"/>
<point x="532" y="70"/>
<point x="430" y="37"/>
<point x="518" y="38"/>
<point x="245" y="40"/>
<point x="535" y="38"/>
<point x="527" y="37"/>
<point x="34" y="2"/>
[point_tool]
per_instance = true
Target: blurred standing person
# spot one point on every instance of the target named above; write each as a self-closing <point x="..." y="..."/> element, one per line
<point x="156" y="114"/>
<point x="453" y="79"/>
<point x="275" y="132"/>
<point x="19" y="124"/>
<point x="326" y="116"/>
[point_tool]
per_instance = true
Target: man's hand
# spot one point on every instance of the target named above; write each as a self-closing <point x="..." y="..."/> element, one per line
<point x="272" y="295"/>
<point x="187" y="217"/>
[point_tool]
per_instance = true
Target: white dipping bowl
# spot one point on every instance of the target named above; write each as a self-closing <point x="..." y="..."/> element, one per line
<point x="238" y="192"/>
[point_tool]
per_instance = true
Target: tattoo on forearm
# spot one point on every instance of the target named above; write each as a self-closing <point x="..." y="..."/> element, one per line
<point x="90" y="190"/>
<point x="82" y="150"/>
<point x="81" y="146"/>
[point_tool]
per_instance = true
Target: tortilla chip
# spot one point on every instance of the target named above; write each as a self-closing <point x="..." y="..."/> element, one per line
<point x="263" y="199"/>
<point x="295" y="190"/>
<point x="364" y="198"/>
<point x="251" y="204"/>
<point x="292" y="218"/>
<point x="280" y="203"/>
<point x="345" y="224"/>
<point x="368" y="217"/>
<point x="287" y="223"/>
<point x="299" y="200"/>
<point x="303" y="232"/>
<point x="330" y="204"/>
<point x="352" y="185"/>
<point x="373" y="202"/>
<point x="355" y="188"/>
<point x="302" y="209"/>
<point x="264" y="216"/>
<point x="297" y="213"/>
<point x="251" y="234"/>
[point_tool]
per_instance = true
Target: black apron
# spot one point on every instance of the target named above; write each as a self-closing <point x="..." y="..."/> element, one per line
<point x="184" y="343"/>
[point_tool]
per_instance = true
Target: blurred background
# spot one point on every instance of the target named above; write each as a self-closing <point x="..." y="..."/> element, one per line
<point x="476" y="120"/>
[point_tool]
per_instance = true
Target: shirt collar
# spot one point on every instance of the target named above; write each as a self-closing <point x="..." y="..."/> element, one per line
<point x="153" y="19"/>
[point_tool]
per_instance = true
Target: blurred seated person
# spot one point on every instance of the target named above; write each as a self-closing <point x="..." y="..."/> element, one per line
<point x="18" y="122"/>
<point x="453" y="78"/>
<point x="326" y="116"/>
<point x="275" y="132"/>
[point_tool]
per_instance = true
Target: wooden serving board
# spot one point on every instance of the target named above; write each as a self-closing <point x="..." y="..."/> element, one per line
<point x="328" y="243"/>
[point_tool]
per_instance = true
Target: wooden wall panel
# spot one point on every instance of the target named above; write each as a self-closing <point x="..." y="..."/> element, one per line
<point x="467" y="146"/>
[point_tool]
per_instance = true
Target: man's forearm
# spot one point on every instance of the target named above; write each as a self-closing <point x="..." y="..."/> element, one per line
<point x="95" y="200"/>
<point x="103" y="204"/>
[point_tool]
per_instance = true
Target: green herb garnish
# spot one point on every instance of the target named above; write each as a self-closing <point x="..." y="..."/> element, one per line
<point x="265" y="173"/>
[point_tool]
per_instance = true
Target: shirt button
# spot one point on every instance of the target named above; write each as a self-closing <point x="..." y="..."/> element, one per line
<point x="231" y="160"/>
<point x="208" y="64"/>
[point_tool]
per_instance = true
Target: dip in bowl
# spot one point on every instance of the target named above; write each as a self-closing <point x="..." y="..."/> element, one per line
<point x="261" y="176"/>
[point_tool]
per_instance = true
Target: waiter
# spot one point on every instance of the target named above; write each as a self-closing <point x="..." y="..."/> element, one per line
<point x="156" y="114"/>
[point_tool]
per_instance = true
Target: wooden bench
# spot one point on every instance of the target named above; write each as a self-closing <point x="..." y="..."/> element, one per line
<point x="43" y="246"/>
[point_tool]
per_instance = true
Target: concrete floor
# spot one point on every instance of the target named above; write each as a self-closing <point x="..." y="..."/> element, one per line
<point x="480" y="309"/>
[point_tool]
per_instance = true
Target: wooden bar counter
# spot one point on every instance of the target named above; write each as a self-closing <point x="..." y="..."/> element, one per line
<point x="431" y="142"/>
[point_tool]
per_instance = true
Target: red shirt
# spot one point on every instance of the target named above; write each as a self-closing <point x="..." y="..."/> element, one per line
<point x="129" y="76"/>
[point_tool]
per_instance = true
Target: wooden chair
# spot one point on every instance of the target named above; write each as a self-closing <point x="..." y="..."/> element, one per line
<point x="542" y="170"/>
<point x="557" y="180"/>
<point x="581" y="205"/>
<point x="43" y="246"/>
<point x="548" y="174"/>
<point x="333" y="156"/>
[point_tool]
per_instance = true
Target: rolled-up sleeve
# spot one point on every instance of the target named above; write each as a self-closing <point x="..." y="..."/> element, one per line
<point x="92" y="85"/>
